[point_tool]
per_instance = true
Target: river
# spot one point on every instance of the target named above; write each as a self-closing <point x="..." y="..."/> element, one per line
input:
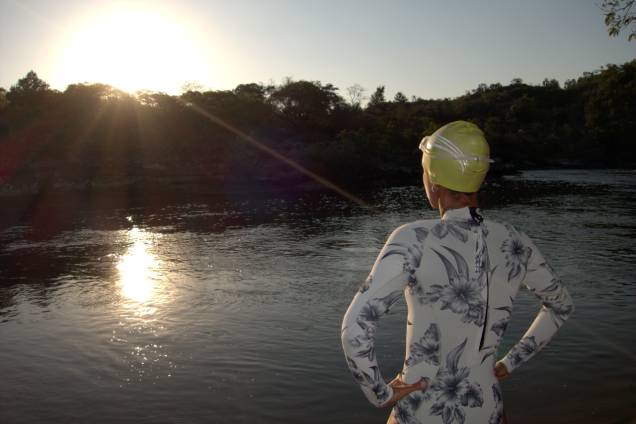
<point x="228" y="308"/>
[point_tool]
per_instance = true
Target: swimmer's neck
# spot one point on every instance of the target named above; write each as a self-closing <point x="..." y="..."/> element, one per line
<point x="452" y="200"/>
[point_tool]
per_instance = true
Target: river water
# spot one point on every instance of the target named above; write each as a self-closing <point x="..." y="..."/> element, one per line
<point x="228" y="310"/>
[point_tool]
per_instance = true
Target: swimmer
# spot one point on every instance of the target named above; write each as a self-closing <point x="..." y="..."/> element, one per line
<point x="460" y="275"/>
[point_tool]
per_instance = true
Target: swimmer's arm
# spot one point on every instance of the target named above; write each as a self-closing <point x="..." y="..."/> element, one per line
<point x="556" y="308"/>
<point x="383" y="288"/>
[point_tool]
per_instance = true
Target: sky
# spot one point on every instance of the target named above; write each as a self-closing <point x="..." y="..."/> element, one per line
<point x="426" y="48"/>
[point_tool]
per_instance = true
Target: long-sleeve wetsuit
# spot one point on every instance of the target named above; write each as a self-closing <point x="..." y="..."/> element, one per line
<point x="460" y="276"/>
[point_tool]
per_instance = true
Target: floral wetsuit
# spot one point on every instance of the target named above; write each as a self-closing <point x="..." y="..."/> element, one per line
<point x="460" y="276"/>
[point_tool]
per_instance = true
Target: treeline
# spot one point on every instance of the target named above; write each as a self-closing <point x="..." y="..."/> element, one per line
<point x="94" y="135"/>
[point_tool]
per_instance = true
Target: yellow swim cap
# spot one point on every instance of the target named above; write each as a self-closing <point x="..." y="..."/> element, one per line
<point x="456" y="156"/>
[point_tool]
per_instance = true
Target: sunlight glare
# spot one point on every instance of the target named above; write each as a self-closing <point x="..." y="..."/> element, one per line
<point x="133" y="50"/>
<point x="137" y="269"/>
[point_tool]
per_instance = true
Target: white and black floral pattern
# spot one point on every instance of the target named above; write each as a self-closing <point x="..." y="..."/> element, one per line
<point x="367" y="320"/>
<point x="420" y="233"/>
<point x="516" y="254"/>
<point x="426" y="349"/>
<point x="460" y="276"/>
<point x="455" y="228"/>
<point x="462" y="295"/>
<point x="482" y="262"/>
<point x="452" y="390"/>
<point x="407" y="407"/>
<point x="556" y="299"/>
<point x="373" y="382"/>
<point x="497" y="414"/>
<point x="500" y="326"/>
<point x="523" y="350"/>
<point x="377" y="307"/>
<point x="411" y="255"/>
<point x="367" y="283"/>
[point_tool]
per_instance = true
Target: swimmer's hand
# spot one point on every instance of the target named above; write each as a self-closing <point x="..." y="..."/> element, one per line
<point x="501" y="372"/>
<point x="401" y="389"/>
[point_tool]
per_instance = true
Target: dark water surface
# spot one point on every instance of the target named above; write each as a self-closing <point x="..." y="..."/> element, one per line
<point x="229" y="310"/>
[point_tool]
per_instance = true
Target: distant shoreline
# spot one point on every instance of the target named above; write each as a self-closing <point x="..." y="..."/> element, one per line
<point x="199" y="185"/>
<point x="93" y="138"/>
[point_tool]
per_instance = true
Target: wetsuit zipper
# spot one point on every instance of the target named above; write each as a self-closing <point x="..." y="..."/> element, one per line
<point x="477" y="218"/>
<point x="483" y="331"/>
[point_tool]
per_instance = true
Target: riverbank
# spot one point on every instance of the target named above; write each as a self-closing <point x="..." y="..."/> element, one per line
<point x="289" y="183"/>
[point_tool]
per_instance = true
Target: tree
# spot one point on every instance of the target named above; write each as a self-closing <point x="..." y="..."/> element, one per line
<point x="356" y="95"/>
<point x="31" y="82"/>
<point x="192" y="86"/>
<point x="524" y="109"/>
<point x="481" y="88"/>
<point x="619" y="15"/>
<point x="377" y="97"/>
<point x="31" y="95"/>
<point x="400" y="98"/>
<point x="550" y="83"/>
<point x="3" y="98"/>
<point x="307" y="105"/>
<point x="95" y="92"/>
<point x="30" y="85"/>
<point x="516" y="81"/>
<point x="569" y="83"/>
<point x="252" y="91"/>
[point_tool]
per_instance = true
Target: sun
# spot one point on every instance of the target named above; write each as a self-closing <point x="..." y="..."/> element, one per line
<point x="133" y="50"/>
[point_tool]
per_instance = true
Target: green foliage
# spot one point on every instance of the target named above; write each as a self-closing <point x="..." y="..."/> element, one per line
<point x="29" y="97"/>
<point x="93" y="132"/>
<point x="28" y="90"/>
<point x="550" y="83"/>
<point x="257" y="92"/>
<point x="306" y="104"/>
<point x="400" y="98"/>
<point x="377" y="98"/>
<point x="4" y="102"/>
<point x="619" y="15"/>
<point x="356" y="95"/>
<point x="31" y="83"/>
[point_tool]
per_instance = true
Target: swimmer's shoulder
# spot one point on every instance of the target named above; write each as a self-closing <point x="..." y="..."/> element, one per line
<point x="412" y="231"/>
<point x="418" y="230"/>
<point x="503" y="228"/>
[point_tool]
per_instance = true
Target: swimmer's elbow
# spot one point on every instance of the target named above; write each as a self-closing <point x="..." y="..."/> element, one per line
<point x="380" y="398"/>
<point x="379" y="405"/>
<point x="571" y="309"/>
<point x="560" y="310"/>
<point x="569" y="306"/>
<point x="344" y="340"/>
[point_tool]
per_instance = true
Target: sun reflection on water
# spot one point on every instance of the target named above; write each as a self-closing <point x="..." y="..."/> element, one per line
<point x="145" y="291"/>
<point x="138" y="269"/>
